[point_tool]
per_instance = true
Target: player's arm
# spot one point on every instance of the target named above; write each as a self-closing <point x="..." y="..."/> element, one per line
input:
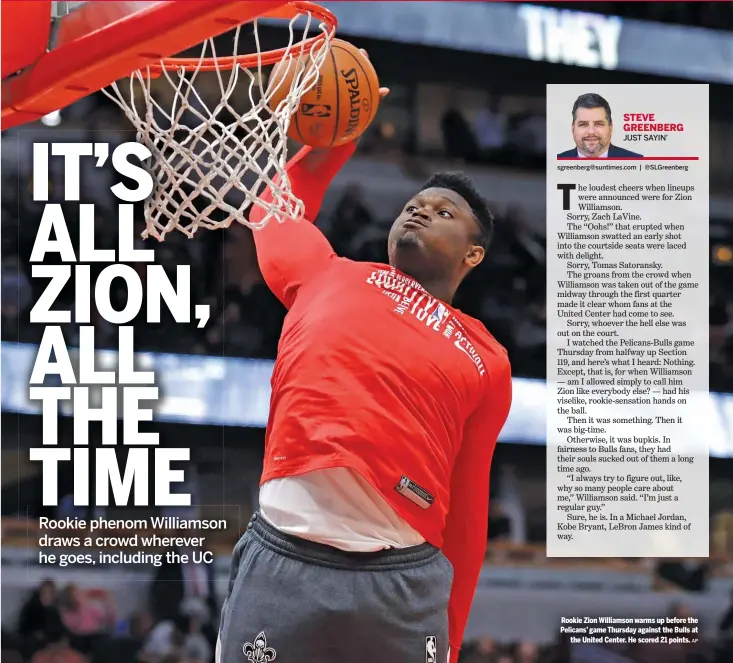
<point x="466" y="530"/>
<point x="291" y="253"/>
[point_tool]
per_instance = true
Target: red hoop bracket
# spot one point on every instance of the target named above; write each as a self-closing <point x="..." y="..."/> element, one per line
<point x="101" y="42"/>
<point x="249" y="60"/>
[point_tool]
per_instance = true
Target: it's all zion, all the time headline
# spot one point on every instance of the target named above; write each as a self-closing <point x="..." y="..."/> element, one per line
<point x="147" y="474"/>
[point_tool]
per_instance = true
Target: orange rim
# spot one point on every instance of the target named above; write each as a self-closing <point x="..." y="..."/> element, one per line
<point x="287" y="12"/>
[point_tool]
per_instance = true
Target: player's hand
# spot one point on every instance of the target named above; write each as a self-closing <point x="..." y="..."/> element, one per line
<point x="383" y="91"/>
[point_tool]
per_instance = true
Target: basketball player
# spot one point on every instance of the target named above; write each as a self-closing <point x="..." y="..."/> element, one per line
<point x="386" y="406"/>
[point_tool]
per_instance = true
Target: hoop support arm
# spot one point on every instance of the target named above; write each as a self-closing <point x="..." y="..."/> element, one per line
<point x="101" y="42"/>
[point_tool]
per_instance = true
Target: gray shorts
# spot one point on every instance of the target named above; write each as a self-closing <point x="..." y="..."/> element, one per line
<point x="302" y="602"/>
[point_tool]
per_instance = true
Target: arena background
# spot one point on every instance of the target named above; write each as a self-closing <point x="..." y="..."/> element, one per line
<point x="467" y="87"/>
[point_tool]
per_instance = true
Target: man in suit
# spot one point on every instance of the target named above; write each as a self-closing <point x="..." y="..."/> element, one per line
<point x="592" y="130"/>
<point x="186" y="589"/>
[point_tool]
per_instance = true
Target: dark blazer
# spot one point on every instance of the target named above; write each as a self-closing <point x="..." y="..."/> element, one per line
<point x="167" y="591"/>
<point x="613" y="151"/>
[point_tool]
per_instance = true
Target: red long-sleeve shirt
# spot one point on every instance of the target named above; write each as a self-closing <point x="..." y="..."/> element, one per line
<point x="376" y="375"/>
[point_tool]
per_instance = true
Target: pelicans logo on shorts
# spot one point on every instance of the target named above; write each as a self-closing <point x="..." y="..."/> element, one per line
<point x="259" y="652"/>
<point x="431" y="649"/>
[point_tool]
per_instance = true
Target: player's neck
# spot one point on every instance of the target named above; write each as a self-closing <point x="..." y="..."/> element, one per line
<point x="439" y="289"/>
<point x="433" y="280"/>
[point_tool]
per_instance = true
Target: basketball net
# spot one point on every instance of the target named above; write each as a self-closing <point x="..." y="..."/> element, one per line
<point x="211" y="161"/>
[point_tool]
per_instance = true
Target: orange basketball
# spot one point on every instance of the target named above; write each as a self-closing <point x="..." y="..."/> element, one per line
<point x="340" y="106"/>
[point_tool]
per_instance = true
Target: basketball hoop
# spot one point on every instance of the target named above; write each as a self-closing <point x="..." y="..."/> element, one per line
<point x="212" y="160"/>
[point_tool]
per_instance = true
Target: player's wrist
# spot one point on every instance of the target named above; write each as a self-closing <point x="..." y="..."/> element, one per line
<point x="318" y="160"/>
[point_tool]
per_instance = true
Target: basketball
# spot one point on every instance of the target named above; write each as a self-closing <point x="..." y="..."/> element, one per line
<point x="340" y="106"/>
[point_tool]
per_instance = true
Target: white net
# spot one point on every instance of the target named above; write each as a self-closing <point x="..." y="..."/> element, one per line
<point x="214" y="147"/>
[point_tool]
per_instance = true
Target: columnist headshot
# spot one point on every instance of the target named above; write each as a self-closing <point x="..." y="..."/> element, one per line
<point x="593" y="129"/>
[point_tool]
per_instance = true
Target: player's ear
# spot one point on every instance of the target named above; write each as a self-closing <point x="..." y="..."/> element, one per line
<point x="474" y="255"/>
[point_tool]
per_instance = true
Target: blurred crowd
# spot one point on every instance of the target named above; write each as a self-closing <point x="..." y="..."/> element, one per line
<point x="75" y="625"/>
<point x="707" y="650"/>
<point x="507" y="292"/>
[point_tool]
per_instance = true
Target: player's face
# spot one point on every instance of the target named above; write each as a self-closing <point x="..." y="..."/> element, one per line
<point x="592" y="131"/>
<point x="436" y="233"/>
